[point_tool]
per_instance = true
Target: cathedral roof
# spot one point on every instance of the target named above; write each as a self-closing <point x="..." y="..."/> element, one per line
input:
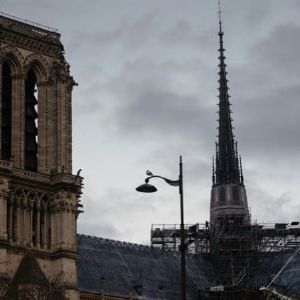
<point x="120" y="268"/>
<point x="282" y="269"/>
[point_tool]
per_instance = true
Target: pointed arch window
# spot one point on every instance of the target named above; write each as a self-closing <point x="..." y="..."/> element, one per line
<point x="31" y="122"/>
<point x="6" y="112"/>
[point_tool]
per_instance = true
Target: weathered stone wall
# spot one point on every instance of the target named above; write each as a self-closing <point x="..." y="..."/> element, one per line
<point x="39" y="210"/>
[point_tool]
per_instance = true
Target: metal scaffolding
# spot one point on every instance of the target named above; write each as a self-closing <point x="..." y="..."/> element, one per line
<point x="167" y="237"/>
<point x="264" y="237"/>
<point x="235" y="248"/>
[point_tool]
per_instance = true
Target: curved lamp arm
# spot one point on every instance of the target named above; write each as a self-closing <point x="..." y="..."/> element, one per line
<point x="168" y="181"/>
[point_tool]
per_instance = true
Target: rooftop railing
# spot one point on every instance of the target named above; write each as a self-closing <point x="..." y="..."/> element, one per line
<point x="28" y="26"/>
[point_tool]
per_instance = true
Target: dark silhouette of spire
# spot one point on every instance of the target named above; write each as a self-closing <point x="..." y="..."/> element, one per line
<point x="227" y="167"/>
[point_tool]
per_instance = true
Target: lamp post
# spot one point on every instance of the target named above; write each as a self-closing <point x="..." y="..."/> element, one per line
<point x="148" y="188"/>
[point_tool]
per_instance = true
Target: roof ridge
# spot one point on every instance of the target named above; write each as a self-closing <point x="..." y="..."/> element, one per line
<point x="123" y="243"/>
<point x="114" y="240"/>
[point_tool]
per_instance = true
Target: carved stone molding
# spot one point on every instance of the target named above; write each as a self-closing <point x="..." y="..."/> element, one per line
<point x="31" y="42"/>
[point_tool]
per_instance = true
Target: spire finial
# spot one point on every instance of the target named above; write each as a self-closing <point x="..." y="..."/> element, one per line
<point x="220" y="15"/>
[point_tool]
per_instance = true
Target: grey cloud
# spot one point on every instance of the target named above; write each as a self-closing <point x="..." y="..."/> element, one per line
<point x="104" y="230"/>
<point x="273" y="64"/>
<point x="153" y="99"/>
<point x="182" y="30"/>
<point x="162" y="113"/>
<point x="131" y="33"/>
<point x="270" y="124"/>
<point x="257" y="14"/>
<point x="296" y="3"/>
<point x="279" y="209"/>
<point x="279" y="52"/>
<point x="266" y="93"/>
<point x="183" y="33"/>
<point x="197" y="161"/>
<point x="128" y="33"/>
<point x="114" y="204"/>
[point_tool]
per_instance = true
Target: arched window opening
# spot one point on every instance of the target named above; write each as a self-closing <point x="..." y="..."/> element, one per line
<point x="6" y="112"/>
<point x="31" y="123"/>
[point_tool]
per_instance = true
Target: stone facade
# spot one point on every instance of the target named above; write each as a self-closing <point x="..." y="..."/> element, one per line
<point x="39" y="196"/>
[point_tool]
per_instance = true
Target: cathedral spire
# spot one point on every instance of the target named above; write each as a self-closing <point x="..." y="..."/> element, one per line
<point x="227" y="161"/>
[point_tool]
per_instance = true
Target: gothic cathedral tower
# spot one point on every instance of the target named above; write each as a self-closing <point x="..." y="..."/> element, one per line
<point x="39" y="196"/>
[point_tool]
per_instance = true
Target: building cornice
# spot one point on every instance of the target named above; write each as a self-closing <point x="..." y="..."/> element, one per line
<point x="30" y="37"/>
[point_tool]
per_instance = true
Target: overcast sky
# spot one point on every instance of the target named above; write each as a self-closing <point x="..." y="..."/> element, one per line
<point x="147" y="74"/>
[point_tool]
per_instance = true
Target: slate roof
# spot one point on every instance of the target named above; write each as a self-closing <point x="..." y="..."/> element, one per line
<point x="288" y="282"/>
<point x="280" y="270"/>
<point x="118" y="268"/>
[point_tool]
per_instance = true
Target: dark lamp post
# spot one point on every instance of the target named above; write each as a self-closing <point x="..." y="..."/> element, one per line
<point x="148" y="188"/>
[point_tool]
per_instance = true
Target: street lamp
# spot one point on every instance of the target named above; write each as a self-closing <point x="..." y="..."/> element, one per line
<point x="149" y="188"/>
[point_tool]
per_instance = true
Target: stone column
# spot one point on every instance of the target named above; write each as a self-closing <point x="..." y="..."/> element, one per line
<point x="17" y="222"/>
<point x="52" y="129"/>
<point x="1" y="71"/>
<point x="68" y="125"/>
<point x="3" y="212"/>
<point x="3" y="208"/>
<point x="10" y="230"/>
<point x="45" y="228"/>
<point x="18" y="119"/>
<point x="25" y="233"/>
<point x="38" y="224"/>
<point x="30" y="222"/>
<point x="62" y="219"/>
<point x="53" y="232"/>
<point x="63" y="89"/>
<point x="43" y="134"/>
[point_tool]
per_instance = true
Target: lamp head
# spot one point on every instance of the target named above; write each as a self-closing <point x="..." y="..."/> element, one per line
<point x="146" y="188"/>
